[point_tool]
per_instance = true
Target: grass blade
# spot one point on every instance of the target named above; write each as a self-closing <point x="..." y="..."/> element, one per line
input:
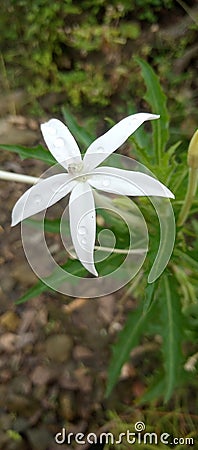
<point x="128" y="339"/>
<point x="157" y="100"/>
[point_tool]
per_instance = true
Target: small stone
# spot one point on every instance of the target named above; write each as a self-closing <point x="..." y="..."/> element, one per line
<point x="10" y="320"/>
<point x="85" y="380"/>
<point x="106" y="308"/>
<point x="26" y="340"/>
<point x="8" y="342"/>
<point x="42" y="316"/>
<point x="67" y="381"/>
<point x="41" y="375"/>
<point x="58" y="347"/>
<point x="82" y="353"/>
<point x="23" y="274"/>
<point x="127" y="371"/>
<point x="5" y="375"/>
<point x="27" y="319"/>
<point x="66" y="406"/>
<point x="21" y="385"/>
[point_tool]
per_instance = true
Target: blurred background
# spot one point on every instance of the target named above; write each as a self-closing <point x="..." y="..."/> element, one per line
<point x="81" y="56"/>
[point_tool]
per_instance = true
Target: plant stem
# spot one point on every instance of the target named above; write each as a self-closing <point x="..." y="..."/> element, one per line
<point x="10" y="176"/>
<point x="192" y="187"/>
<point x="120" y="251"/>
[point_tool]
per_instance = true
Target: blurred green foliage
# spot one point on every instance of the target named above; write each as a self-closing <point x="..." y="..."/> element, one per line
<point x="83" y="49"/>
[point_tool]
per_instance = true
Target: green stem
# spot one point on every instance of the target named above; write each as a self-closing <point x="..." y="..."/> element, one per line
<point x="192" y="187"/>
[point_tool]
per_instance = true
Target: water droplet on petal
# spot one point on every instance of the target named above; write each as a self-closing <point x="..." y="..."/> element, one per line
<point x="100" y="149"/>
<point x="37" y="199"/>
<point x="82" y="230"/>
<point x="59" y="142"/>
<point x="106" y="182"/>
<point x="83" y="241"/>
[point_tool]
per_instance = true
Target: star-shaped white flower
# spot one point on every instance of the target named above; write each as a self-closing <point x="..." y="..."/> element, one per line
<point x="82" y="176"/>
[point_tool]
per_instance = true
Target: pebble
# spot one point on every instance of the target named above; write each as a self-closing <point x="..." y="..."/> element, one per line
<point x="58" y="347"/>
<point x="82" y="353"/>
<point x="8" y="342"/>
<point x="42" y="375"/>
<point x="66" y="407"/>
<point x="10" y="320"/>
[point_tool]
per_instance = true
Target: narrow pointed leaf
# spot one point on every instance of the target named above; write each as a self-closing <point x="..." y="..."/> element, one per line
<point x="83" y="137"/>
<point x="36" y="153"/>
<point x="157" y="100"/>
<point x="71" y="266"/>
<point x="155" y="390"/>
<point x="172" y="330"/>
<point x="128" y="339"/>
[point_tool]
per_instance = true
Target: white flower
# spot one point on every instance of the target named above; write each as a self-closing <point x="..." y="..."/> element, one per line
<point x="84" y="175"/>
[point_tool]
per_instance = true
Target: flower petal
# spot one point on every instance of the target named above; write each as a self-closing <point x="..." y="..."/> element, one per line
<point x="83" y="224"/>
<point x="60" y="142"/>
<point x="126" y="182"/>
<point x="39" y="197"/>
<point x="102" y="147"/>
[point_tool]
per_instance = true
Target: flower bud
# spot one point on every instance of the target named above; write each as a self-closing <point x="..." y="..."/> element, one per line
<point x="193" y="151"/>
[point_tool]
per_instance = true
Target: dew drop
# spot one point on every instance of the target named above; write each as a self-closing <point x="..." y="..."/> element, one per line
<point x="37" y="199"/>
<point x="106" y="182"/>
<point x="101" y="149"/>
<point x="82" y="230"/>
<point x="59" y="142"/>
<point x="83" y="241"/>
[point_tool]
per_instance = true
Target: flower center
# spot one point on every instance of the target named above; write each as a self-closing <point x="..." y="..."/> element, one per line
<point x="75" y="168"/>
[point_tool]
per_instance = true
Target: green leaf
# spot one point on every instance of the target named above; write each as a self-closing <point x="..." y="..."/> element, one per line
<point x="155" y="390"/>
<point x="74" y="267"/>
<point x="157" y="100"/>
<point x="172" y="331"/>
<point x="149" y="296"/>
<point x="51" y="226"/>
<point x="191" y="262"/>
<point x="71" y="266"/>
<point x="81" y="135"/>
<point x="128" y="339"/>
<point x="38" y="152"/>
<point x="34" y="291"/>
